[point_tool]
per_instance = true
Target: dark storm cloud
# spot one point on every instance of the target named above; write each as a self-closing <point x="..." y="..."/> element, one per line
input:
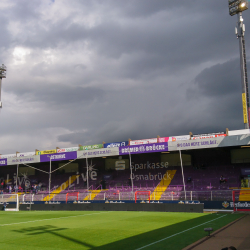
<point x="220" y="79"/>
<point x="61" y="95"/>
<point x="219" y="87"/>
<point x="135" y="69"/>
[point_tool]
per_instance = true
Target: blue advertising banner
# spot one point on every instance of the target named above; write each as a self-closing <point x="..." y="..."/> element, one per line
<point x="115" y="144"/>
<point x="147" y="148"/>
<point x="3" y="162"/>
<point x="59" y="156"/>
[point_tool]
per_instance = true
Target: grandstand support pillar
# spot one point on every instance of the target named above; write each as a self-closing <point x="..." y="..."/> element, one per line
<point x="87" y="165"/>
<point x="49" y="174"/>
<point x="183" y="176"/>
<point x="16" y="189"/>
<point x="131" y="179"/>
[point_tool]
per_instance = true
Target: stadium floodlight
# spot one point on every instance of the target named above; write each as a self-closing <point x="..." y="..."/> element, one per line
<point x="2" y="75"/>
<point x="236" y="6"/>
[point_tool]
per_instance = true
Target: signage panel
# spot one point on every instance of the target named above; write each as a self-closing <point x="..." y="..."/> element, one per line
<point x="62" y="150"/>
<point x="115" y="144"/>
<point x="46" y="152"/>
<point x="143" y="141"/>
<point x="98" y="152"/>
<point x="7" y="156"/>
<point x="208" y="136"/>
<point x="239" y="132"/>
<point x="139" y="149"/>
<point x="26" y="154"/>
<point x="174" y="138"/>
<point x="90" y="147"/>
<point x="227" y="141"/>
<point x="59" y="156"/>
<point x="24" y="159"/>
<point x="244" y="106"/>
<point x="3" y="162"/>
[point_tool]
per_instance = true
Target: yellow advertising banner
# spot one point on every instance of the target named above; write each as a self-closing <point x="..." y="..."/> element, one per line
<point x="45" y="152"/>
<point x="244" y="105"/>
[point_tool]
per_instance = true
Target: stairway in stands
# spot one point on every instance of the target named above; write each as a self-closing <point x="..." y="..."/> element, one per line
<point x="163" y="185"/>
<point x="61" y="188"/>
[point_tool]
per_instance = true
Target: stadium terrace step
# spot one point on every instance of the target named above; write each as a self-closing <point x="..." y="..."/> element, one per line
<point x="92" y="195"/>
<point x="61" y="188"/>
<point x="163" y="185"/>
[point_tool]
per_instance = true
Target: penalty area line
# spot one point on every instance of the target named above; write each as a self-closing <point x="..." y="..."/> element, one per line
<point x="179" y="233"/>
<point x="66" y="217"/>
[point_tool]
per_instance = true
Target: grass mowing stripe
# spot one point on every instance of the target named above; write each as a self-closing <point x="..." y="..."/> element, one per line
<point x="1" y="225"/>
<point x="179" y="233"/>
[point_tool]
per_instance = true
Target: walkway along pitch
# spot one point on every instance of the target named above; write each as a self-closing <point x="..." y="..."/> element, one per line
<point x="236" y="233"/>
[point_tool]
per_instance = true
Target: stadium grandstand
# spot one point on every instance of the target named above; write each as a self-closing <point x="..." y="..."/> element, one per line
<point x="190" y="169"/>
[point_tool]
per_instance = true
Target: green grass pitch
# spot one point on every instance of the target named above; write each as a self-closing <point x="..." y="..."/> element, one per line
<point x="30" y="230"/>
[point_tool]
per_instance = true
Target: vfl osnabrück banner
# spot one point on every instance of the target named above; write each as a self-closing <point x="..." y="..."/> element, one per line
<point x="23" y="160"/>
<point x="3" y="162"/>
<point x="148" y="148"/>
<point x="115" y="144"/>
<point x="59" y="156"/>
<point x="98" y="153"/>
<point x="227" y="141"/>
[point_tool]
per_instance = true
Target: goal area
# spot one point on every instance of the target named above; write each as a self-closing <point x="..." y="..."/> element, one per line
<point x="74" y="196"/>
<point x="142" y="195"/>
<point x="9" y="202"/>
<point x="241" y="200"/>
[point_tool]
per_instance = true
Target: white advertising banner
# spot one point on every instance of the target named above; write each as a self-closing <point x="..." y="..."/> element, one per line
<point x="195" y="144"/>
<point x="239" y="132"/>
<point x="25" y="154"/>
<point x="23" y="160"/>
<point x="63" y="150"/>
<point x="7" y="156"/>
<point x="98" y="152"/>
<point x="208" y="136"/>
<point x="143" y="141"/>
<point x="174" y="138"/>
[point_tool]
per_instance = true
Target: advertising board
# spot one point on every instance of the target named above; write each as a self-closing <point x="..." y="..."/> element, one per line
<point x="3" y="162"/>
<point x="174" y="138"/>
<point x="102" y="152"/>
<point x="59" y="156"/>
<point x="46" y="152"/>
<point x="139" y="149"/>
<point x="91" y="147"/>
<point x="62" y="150"/>
<point x="7" y="156"/>
<point x="143" y="141"/>
<point x="23" y="160"/>
<point x="115" y="144"/>
<point x="26" y="154"/>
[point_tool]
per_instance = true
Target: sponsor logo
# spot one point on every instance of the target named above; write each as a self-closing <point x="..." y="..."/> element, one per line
<point x="225" y="204"/>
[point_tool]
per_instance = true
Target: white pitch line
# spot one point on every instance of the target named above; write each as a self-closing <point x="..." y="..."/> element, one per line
<point x="1" y="225"/>
<point x="178" y="233"/>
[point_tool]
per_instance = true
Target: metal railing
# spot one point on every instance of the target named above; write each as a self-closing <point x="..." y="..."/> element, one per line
<point x="213" y="195"/>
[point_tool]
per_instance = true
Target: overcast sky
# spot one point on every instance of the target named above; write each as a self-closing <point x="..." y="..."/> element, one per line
<point x="88" y="71"/>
